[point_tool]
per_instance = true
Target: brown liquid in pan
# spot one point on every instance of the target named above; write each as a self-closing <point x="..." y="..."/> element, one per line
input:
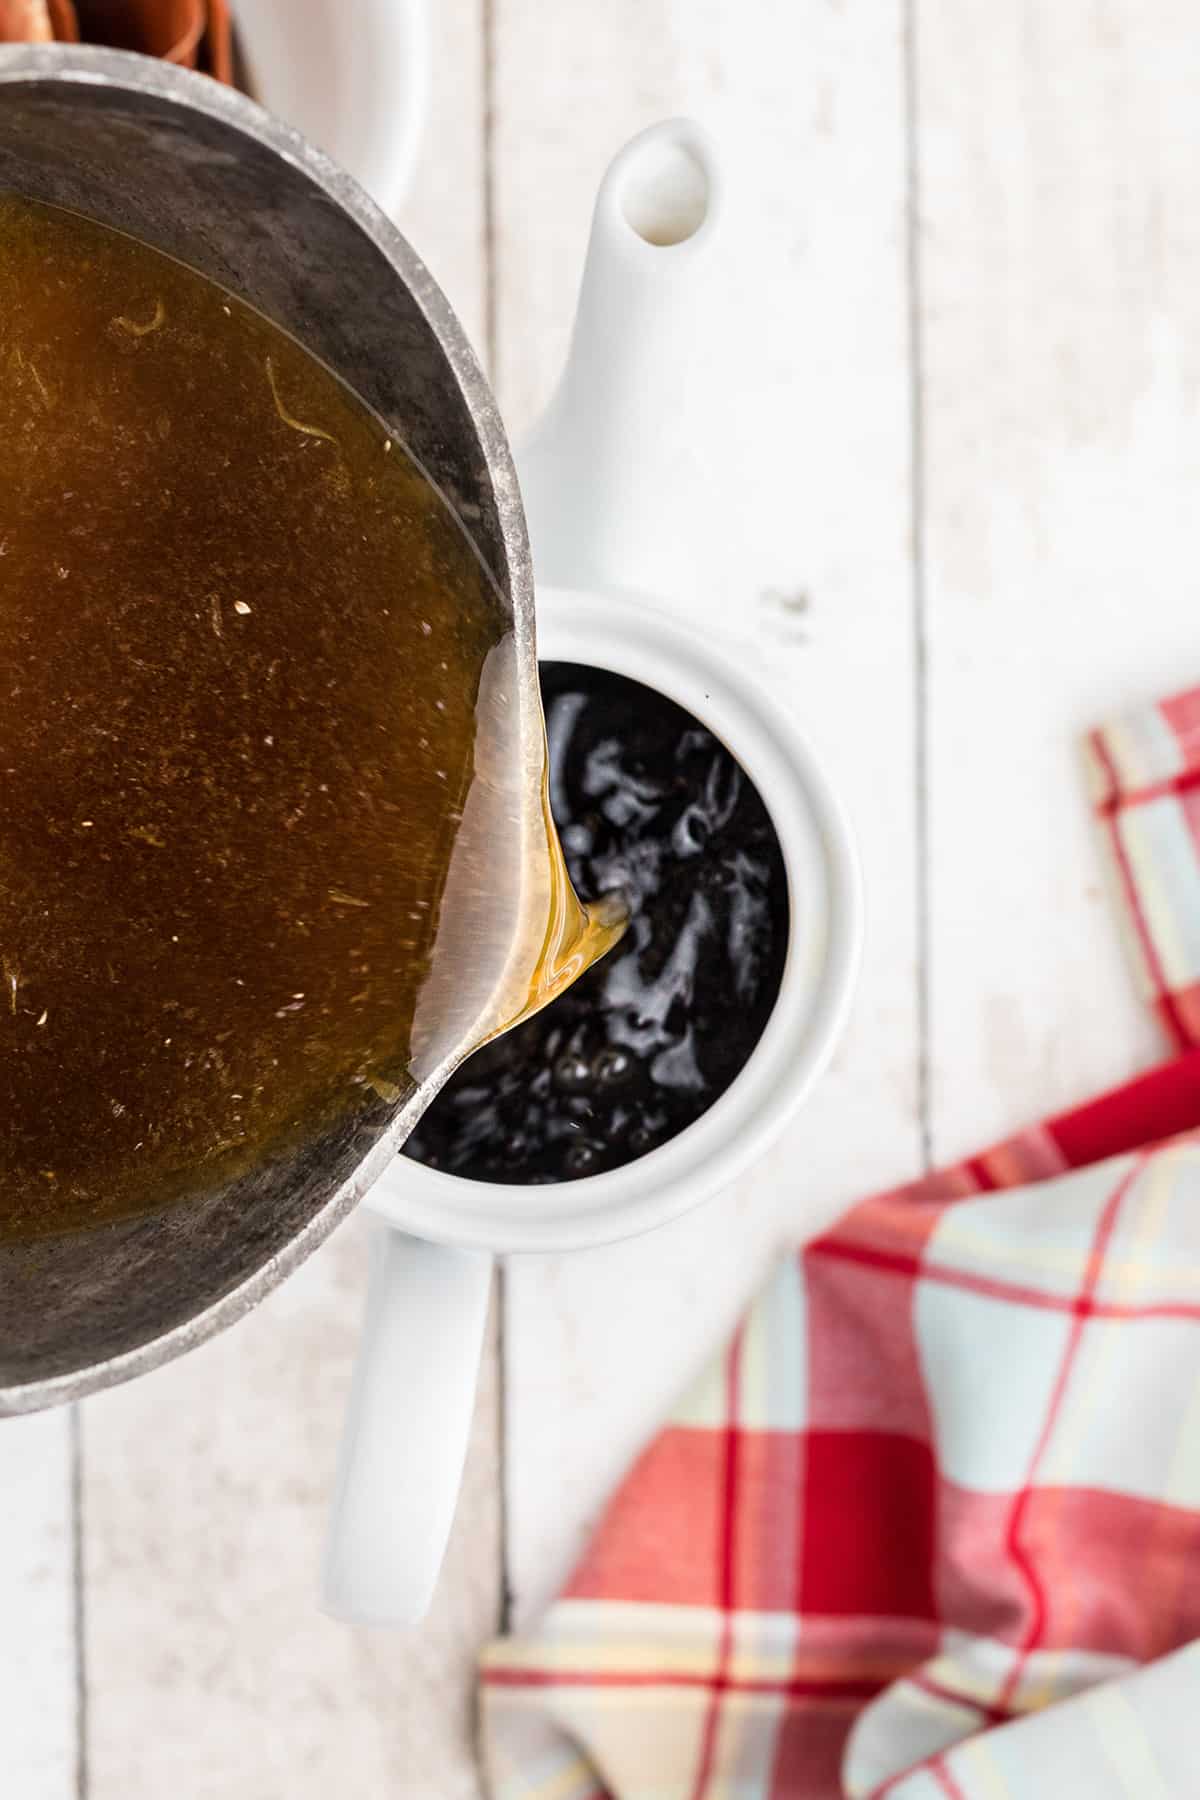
<point x="267" y="846"/>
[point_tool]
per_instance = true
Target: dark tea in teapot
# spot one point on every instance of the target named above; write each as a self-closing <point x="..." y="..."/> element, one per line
<point x="651" y="805"/>
<point x="265" y="843"/>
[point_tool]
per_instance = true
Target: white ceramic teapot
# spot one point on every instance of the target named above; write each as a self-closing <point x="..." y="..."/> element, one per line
<point x="616" y="514"/>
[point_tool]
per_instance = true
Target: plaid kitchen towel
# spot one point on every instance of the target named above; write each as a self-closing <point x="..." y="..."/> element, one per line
<point x="930" y="1524"/>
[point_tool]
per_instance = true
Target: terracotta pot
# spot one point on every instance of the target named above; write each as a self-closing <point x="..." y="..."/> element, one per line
<point x="25" y="22"/>
<point x="64" y="21"/>
<point x="170" y="29"/>
<point x="188" y="32"/>
<point x="216" y="52"/>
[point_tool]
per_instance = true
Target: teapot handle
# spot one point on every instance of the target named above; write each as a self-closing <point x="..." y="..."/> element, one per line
<point x="407" y="1423"/>
<point x="612" y="477"/>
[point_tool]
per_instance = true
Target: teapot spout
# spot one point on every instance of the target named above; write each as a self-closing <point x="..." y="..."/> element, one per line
<point x="613" y="476"/>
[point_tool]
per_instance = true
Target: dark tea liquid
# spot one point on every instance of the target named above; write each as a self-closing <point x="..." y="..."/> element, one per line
<point x="266" y="847"/>
<point x="649" y="804"/>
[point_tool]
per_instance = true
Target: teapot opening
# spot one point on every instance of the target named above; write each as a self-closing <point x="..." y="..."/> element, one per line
<point x="665" y="194"/>
<point x="649" y="802"/>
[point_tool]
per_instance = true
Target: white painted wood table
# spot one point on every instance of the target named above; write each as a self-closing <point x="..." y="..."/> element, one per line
<point x="955" y="380"/>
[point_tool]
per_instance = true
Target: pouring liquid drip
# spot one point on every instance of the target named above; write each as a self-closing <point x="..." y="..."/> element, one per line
<point x="271" y="845"/>
<point x="648" y="802"/>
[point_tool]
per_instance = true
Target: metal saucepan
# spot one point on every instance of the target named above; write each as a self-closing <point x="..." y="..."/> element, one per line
<point x="201" y="173"/>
